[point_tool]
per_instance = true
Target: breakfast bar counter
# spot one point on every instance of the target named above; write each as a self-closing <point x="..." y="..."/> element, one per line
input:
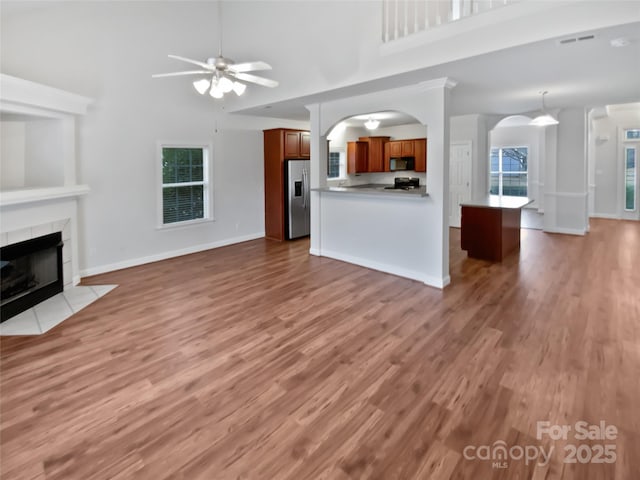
<point x="490" y="227"/>
<point x="381" y="190"/>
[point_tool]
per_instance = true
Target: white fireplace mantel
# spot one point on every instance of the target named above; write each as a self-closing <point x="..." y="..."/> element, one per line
<point x="32" y="195"/>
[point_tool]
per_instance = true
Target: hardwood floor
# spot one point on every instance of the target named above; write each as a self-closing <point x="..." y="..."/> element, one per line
<point x="258" y="361"/>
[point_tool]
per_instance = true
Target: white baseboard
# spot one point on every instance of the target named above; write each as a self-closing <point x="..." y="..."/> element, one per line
<point x="611" y="216"/>
<point x="445" y="281"/>
<point x="386" y="268"/>
<point x="314" y="251"/>
<point x="567" y="231"/>
<point x="134" y="262"/>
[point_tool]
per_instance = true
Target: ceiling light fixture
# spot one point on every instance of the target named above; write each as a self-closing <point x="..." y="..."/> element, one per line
<point x="546" y="118"/>
<point x="202" y="85"/>
<point x="218" y="86"/>
<point x="619" y="42"/>
<point x="372" y="124"/>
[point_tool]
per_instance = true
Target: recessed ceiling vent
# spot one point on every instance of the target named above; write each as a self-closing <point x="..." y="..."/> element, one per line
<point x="567" y="41"/>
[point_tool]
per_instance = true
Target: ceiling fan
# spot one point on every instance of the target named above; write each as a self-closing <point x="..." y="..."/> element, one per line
<point x="224" y="73"/>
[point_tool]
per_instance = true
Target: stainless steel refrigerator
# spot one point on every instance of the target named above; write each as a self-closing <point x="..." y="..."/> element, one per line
<point x="297" y="195"/>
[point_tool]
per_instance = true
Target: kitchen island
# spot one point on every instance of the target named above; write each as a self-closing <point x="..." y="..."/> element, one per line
<point x="392" y="230"/>
<point x="490" y="227"/>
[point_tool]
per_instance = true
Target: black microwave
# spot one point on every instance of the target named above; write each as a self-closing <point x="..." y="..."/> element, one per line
<point x="402" y="163"/>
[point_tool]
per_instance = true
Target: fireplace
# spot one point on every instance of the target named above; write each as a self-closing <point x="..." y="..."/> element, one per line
<point x="31" y="272"/>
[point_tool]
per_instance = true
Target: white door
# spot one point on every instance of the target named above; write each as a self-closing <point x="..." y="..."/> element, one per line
<point x="459" y="180"/>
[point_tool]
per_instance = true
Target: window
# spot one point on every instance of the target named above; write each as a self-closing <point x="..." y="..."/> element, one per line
<point x="333" y="168"/>
<point x="632" y="134"/>
<point x="630" y="173"/>
<point x="336" y="167"/>
<point x="185" y="184"/>
<point x="508" y="166"/>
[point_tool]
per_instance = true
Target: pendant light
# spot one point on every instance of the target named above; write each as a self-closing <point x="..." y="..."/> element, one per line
<point x="372" y="124"/>
<point x="546" y="118"/>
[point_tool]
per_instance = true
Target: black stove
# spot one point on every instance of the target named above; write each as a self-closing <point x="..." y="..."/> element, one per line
<point x="405" y="183"/>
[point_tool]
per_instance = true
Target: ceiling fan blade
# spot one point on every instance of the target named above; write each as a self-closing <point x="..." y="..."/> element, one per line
<point x="249" y="66"/>
<point x="177" y="74"/>
<point x="195" y="62"/>
<point x="265" y="82"/>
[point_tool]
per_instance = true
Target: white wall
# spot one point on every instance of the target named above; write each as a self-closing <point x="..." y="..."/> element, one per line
<point x="12" y="147"/>
<point x="108" y="51"/>
<point x="566" y="194"/>
<point x="44" y="153"/>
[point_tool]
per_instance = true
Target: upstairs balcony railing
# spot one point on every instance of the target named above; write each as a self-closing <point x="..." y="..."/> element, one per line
<point x="401" y="18"/>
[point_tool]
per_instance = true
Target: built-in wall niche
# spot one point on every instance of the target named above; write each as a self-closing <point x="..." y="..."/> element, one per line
<point x="32" y="151"/>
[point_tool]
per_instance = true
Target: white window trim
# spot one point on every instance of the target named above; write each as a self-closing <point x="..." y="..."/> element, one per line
<point x="206" y="182"/>
<point x="500" y="172"/>
<point x="342" y="175"/>
<point x="623" y="135"/>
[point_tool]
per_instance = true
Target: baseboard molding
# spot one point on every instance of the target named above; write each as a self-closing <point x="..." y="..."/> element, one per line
<point x="610" y="216"/>
<point x="134" y="262"/>
<point x="566" y="231"/>
<point x="386" y="268"/>
<point x="314" y="251"/>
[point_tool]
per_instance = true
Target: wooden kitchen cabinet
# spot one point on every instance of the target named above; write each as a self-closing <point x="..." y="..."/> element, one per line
<point x="305" y="145"/>
<point x="375" y="161"/>
<point x="407" y="149"/>
<point x="297" y="144"/>
<point x="357" y="157"/>
<point x="395" y="149"/>
<point x="280" y="144"/>
<point x="420" y="154"/>
<point x="416" y="147"/>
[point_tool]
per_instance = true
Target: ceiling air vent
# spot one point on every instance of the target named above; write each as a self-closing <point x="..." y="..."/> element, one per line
<point x="566" y="41"/>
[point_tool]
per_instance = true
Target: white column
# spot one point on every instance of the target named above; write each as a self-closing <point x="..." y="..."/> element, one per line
<point x="318" y="174"/>
<point x="438" y="171"/>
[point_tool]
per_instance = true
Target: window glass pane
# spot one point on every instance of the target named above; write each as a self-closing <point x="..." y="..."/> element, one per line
<point x="632" y="134"/>
<point x="514" y="184"/>
<point x="514" y="160"/>
<point x="495" y="184"/>
<point x="495" y="160"/>
<point x="182" y="203"/>
<point x="333" y="169"/>
<point x="630" y="179"/>
<point x="182" y="165"/>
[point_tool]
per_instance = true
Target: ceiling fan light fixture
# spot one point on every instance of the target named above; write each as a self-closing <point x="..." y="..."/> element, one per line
<point x="225" y="84"/>
<point x="372" y="124"/>
<point x="239" y="88"/>
<point x="216" y="91"/>
<point x="202" y="85"/>
<point x="545" y="119"/>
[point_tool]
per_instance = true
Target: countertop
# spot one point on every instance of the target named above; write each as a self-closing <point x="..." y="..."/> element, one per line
<point x="499" y="201"/>
<point x="377" y="190"/>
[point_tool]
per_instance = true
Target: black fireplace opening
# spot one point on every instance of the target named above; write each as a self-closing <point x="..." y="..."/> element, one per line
<point x="31" y="272"/>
